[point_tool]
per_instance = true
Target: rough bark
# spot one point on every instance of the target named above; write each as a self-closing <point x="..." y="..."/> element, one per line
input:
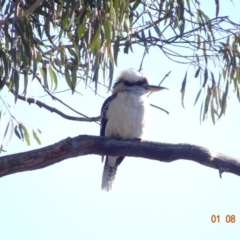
<point x="85" y="144"/>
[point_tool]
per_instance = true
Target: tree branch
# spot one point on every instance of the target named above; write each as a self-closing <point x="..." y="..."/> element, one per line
<point x="84" y="145"/>
<point x="52" y="109"/>
<point x="59" y="100"/>
<point x="32" y="8"/>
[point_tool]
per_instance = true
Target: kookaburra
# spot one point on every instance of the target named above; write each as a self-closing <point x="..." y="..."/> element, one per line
<point x="124" y="115"/>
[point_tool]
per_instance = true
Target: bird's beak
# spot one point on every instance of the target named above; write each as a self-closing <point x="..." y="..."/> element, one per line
<point x="152" y="88"/>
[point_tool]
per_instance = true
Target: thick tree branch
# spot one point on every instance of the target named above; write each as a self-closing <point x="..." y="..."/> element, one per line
<point x="84" y="145"/>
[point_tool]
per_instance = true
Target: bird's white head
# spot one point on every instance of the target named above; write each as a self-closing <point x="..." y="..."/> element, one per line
<point x="132" y="80"/>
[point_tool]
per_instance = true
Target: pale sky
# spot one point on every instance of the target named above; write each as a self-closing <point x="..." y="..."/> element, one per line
<point x="150" y="199"/>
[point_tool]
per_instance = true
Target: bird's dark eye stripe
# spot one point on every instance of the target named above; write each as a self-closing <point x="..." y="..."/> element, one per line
<point x="139" y="83"/>
<point x="128" y="83"/>
<point x="121" y="80"/>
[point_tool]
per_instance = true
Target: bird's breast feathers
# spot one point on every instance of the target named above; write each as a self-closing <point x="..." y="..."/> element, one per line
<point x="127" y="116"/>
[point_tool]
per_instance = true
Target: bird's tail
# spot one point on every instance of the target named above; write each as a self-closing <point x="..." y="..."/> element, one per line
<point x="110" y="171"/>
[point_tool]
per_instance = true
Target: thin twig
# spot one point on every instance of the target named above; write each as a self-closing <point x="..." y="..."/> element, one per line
<point x="167" y="75"/>
<point x="159" y="108"/>
<point x="144" y="54"/>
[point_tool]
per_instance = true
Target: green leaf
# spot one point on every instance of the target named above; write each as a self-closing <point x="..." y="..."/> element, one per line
<point x="180" y="10"/>
<point x="107" y="32"/>
<point x="81" y="30"/>
<point x="74" y="79"/>
<point x="67" y="76"/>
<point x="197" y="72"/>
<point x="6" y="130"/>
<point x="199" y="92"/>
<point x="127" y="46"/>
<point x="74" y="54"/>
<point x="21" y="132"/>
<point x="125" y="26"/>
<point x="207" y="100"/>
<point x="87" y="73"/>
<point x="26" y="135"/>
<point x="10" y="123"/>
<point x="25" y="82"/>
<point x="167" y="9"/>
<point x="205" y="53"/>
<point x="205" y="77"/>
<point x="116" y="7"/>
<point x="6" y="68"/>
<point x="183" y="89"/>
<point x="116" y="49"/>
<point x="43" y="72"/>
<point x="224" y="100"/>
<point x="238" y="94"/>
<point x="110" y="55"/>
<point x="65" y="19"/>
<point x="215" y="95"/>
<point x="47" y="29"/>
<point x="203" y="15"/>
<point x="53" y="77"/>
<point x="112" y="14"/>
<point x="27" y="53"/>
<point x="199" y="41"/>
<point x="36" y="137"/>
<point x="15" y="80"/>
<point x="123" y="10"/>
<point x="188" y="4"/>
<point x="176" y="23"/>
<point x="155" y="26"/>
<point x="96" y="61"/>
<point x="94" y="44"/>
<point x="213" y="112"/>
<point x="17" y="133"/>
<point x="111" y="70"/>
<point x="201" y="109"/>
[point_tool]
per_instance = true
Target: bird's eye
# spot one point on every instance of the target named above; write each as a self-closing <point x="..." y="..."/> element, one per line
<point x="145" y="81"/>
<point x="139" y="83"/>
<point x="128" y="83"/>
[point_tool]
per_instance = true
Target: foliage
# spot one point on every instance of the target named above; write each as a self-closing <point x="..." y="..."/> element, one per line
<point x="80" y="39"/>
